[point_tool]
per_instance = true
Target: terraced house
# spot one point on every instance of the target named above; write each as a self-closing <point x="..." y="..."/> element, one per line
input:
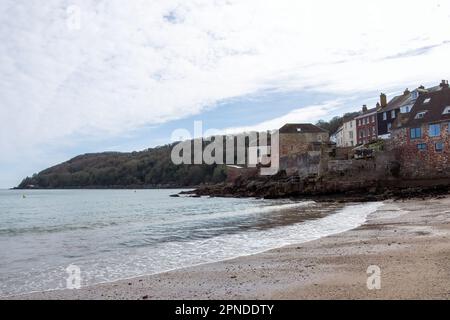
<point x="366" y="126"/>
<point x="422" y="141"/>
<point x="399" y="106"/>
<point x="346" y="136"/>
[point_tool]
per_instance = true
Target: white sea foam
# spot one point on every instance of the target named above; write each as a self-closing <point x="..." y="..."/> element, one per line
<point x="174" y="255"/>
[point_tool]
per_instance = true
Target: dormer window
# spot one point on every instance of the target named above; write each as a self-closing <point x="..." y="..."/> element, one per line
<point x="420" y="115"/>
<point x="426" y="101"/>
<point x="414" y="95"/>
<point x="299" y="129"/>
<point x="405" y="109"/>
<point x="446" y="110"/>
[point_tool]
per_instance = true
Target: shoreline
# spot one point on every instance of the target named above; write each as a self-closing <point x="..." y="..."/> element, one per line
<point x="327" y="191"/>
<point x="413" y="234"/>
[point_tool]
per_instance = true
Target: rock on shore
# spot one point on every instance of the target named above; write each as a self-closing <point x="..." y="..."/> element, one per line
<point x="324" y="190"/>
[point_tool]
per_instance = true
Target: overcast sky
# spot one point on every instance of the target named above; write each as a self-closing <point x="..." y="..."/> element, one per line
<point x="84" y="76"/>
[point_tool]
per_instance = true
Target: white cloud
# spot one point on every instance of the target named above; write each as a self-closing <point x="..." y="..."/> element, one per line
<point x="302" y="115"/>
<point x="146" y="62"/>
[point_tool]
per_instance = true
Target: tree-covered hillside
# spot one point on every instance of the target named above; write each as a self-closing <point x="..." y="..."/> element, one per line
<point x="146" y="169"/>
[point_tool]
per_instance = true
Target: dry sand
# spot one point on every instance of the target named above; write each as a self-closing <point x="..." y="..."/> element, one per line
<point x="408" y="240"/>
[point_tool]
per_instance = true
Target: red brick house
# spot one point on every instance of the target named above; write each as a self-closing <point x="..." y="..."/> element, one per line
<point x="366" y="126"/>
<point x="422" y="140"/>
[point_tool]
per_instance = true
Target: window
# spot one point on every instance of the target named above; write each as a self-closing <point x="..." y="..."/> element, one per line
<point x="414" y="95"/>
<point x="374" y="131"/>
<point x="393" y="114"/>
<point x="422" y="146"/>
<point x="439" y="146"/>
<point x="389" y="127"/>
<point x="434" y="130"/>
<point x="446" y="110"/>
<point x="384" y="116"/>
<point x="426" y="101"/>
<point x="416" y="133"/>
<point x="350" y="134"/>
<point x="420" y="115"/>
<point x="373" y="119"/>
<point x="405" y="109"/>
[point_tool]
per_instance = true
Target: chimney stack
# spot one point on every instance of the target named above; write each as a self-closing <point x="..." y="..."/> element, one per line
<point x="364" y="108"/>
<point x="406" y="92"/>
<point x="444" y="84"/>
<point x="383" y="100"/>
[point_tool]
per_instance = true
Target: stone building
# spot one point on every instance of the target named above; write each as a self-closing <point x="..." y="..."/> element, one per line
<point x="421" y="141"/>
<point x="301" y="148"/>
<point x="298" y="138"/>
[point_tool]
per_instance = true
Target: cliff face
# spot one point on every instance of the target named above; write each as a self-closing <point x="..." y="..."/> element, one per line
<point x="146" y="169"/>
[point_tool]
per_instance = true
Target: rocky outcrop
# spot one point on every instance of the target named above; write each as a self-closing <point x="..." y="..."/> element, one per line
<point x="325" y="190"/>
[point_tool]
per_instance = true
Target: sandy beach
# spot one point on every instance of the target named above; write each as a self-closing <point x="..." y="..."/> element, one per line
<point x="408" y="240"/>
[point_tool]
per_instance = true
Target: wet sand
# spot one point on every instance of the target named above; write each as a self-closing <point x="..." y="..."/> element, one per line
<point x="409" y="241"/>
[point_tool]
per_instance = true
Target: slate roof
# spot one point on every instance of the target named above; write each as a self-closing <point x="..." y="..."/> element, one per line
<point x="363" y="114"/>
<point x="398" y="102"/>
<point x="406" y="98"/>
<point x="439" y="100"/>
<point x="301" y="128"/>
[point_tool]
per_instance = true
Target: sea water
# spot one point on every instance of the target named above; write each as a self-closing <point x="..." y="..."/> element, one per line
<point x="117" y="234"/>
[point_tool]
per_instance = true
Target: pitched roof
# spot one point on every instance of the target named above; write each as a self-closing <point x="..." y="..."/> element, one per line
<point x="301" y="128"/>
<point x="398" y="102"/>
<point x="363" y="114"/>
<point x="407" y="98"/>
<point x="433" y="109"/>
